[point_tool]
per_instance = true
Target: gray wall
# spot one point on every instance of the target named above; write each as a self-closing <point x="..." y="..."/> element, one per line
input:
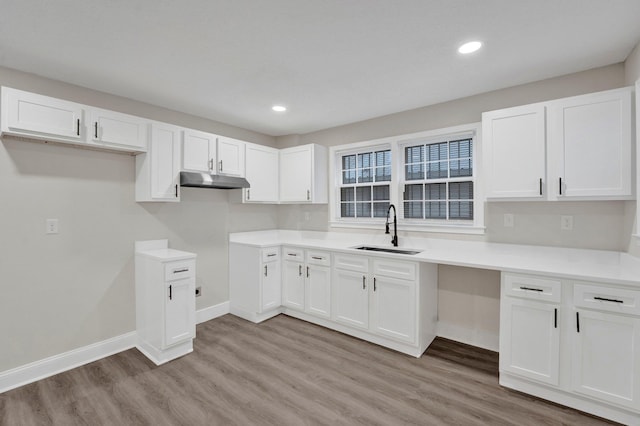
<point x="61" y="292"/>
<point x="466" y="298"/>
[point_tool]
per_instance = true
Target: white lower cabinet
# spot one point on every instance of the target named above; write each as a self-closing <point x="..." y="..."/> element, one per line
<point x="393" y="300"/>
<point x="255" y="279"/>
<point x="306" y="281"/>
<point x="165" y="301"/>
<point x="572" y="342"/>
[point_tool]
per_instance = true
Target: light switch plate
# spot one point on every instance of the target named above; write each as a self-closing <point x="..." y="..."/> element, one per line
<point x="508" y="220"/>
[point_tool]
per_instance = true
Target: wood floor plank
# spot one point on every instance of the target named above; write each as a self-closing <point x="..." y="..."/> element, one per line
<point x="284" y="372"/>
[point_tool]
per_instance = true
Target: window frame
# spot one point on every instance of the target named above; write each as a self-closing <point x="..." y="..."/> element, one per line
<point x="396" y="190"/>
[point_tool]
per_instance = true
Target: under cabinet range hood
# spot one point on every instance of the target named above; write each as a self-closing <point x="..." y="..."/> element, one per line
<point x="206" y="180"/>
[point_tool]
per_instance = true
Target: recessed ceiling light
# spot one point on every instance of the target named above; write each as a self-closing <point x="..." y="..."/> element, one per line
<point x="279" y="108"/>
<point x="470" y="47"/>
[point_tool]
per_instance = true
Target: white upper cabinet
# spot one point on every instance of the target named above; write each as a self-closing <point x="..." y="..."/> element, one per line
<point x="303" y="174"/>
<point x="514" y="151"/>
<point x="590" y="144"/>
<point x="198" y="151"/>
<point x="158" y="171"/>
<point x="576" y="148"/>
<point x="262" y="174"/>
<point x="231" y="157"/>
<point x="111" y="129"/>
<point x="41" y="117"/>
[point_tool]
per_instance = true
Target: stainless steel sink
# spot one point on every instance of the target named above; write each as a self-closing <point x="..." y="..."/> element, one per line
<point x="388" y="250"/>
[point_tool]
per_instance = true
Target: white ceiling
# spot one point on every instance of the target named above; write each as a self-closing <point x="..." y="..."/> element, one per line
<point x="330" y="61"/>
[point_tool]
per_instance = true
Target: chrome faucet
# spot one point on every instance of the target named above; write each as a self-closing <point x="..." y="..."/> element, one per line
<point x="394" y="240"/>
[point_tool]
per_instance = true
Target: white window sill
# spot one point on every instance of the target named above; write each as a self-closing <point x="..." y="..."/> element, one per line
<point x="436" y="228"/>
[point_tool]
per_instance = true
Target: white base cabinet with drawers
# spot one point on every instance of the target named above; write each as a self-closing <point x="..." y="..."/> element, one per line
<point x="165" y="301"/>
<point x="572" y="342"/>
<point x="389" y="302"/>
<point x="254" y="282"/>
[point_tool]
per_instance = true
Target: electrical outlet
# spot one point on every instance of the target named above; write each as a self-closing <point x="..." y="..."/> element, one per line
<point x="52" y="226"/>
<point x="198" y="291"/>
<point x="508" y="220"/>
<point x="566" y="223"/>
<point x="307" y="216"/>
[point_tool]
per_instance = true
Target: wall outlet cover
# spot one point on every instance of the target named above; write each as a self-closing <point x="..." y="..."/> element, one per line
<point x="508" y="220"/>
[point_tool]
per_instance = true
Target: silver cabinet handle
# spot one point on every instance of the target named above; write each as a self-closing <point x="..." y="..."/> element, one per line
<point x="299" y="270"/>
<point x="374" y="284"/>
<point x="308" y="194"/>
<point x="307" y="272"/>
<point x="211" y="164"/>
<point x="95" y="126"/>
<point x="364" y="282"/>
<point x="317" y="258"/>
<point x="170" y="292"/>
<point x="221" y="165"/>
<point x="265" y="270"/>
<point x="272" y="254"/>
<point x="248" y="194"/>
<point x="177" y="271"/>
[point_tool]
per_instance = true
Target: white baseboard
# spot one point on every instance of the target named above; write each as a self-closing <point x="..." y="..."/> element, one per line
<point x="38" y="370"/>
<point x="465" y="335"/>
<point x="212" y="312"/>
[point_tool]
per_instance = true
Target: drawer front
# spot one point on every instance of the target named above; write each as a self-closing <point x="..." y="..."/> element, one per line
<point x="315" y="257"/>
<point x="179" y="270"/>
<point x="291" y="253"/>
<point x="610" y="299"/>
<point x="530" y="287"/>
<point x="270" y="254"/>
<point x="351" y="263"/>
<point x="395" y="269"/>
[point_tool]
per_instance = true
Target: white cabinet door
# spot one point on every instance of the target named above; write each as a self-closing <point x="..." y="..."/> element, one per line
<point x="514" y="152"/>
<point x="293" y="285"/>
<point x="198" y="151"/>
<point x="590" y="141"/>
<point x="318" y="291"/>
<point x="350" y="298"/>
<point x="231" y="157"/>
<point x="271" y="289"/>
<point x="40" y="116"/>
<point x="530" y="339"/>
<point x="606" y="357"/>
<point x="296" y="174"/>
<point x="116" y="130"/>
<point x="393" y="308"/>
<point x="179" y="311"/>
<point x="261" y="173"/>
<point x="165" y="162"/>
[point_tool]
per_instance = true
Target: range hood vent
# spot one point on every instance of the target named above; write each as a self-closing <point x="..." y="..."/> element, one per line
<point x="206" y="180"/>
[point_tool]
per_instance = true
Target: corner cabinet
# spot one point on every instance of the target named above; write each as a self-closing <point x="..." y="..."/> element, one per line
<point x="303" y="174"/>
<point x="165" y="301"/>
<point x="158" y="170"/>
<point x="254" y="282"/>
<point x="262" y="174"/>
<point x="576" y="148"/>
<point x="576" y="343"/>
<point x="41" y="117"/>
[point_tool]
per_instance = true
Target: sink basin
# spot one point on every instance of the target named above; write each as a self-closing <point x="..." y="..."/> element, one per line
<point x="388" y="250"/>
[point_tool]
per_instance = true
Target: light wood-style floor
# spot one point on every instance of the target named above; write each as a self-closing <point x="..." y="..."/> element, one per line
<point x="284" y="372"/>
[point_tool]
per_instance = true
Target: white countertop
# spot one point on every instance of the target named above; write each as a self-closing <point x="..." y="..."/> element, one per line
<point x="167" y="254"/>
<point x="581" y="264"/>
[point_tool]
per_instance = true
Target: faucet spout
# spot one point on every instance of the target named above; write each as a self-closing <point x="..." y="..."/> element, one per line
<point x="394" y="240"/>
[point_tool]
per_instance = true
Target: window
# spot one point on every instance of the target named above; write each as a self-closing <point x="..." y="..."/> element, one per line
<point x="365" y="184"/>
<point x="432" y="178"/>
<point x="439" y="180"/>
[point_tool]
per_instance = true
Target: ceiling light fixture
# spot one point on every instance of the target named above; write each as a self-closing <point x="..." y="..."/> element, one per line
<point x="470" y="47"/>
<point x="279" y="108"/>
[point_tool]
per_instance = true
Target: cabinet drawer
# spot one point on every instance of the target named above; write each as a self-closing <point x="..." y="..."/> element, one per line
<point x="179" y="270"/>
<point x="609" y="299"/>
<point x="530" y="287"/>
<point x="291" y="253"/>
<point x="395" y="269"/>
<point x="351" y="263"/>
<point x="318" y="258"/>
<point x="270" y="254"/>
